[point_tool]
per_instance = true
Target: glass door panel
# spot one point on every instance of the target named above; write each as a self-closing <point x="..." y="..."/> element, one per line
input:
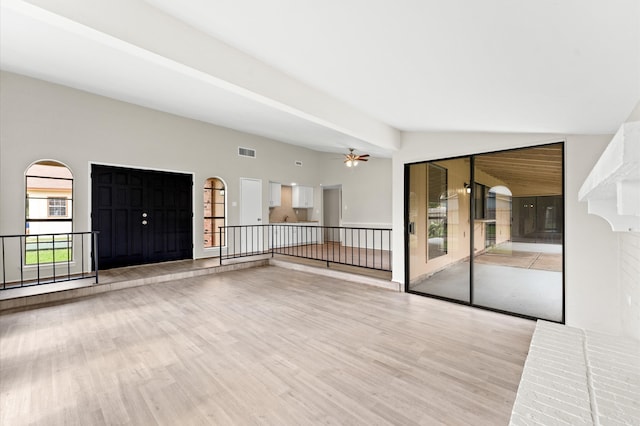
<point x="518" y="231"/>
<point x="438" y="228"/>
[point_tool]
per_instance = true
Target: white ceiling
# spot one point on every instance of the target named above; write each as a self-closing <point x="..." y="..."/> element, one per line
<point x="570" y="66"/>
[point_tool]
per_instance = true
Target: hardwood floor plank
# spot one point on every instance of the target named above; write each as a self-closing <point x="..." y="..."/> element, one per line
<point x="259" y="346"/>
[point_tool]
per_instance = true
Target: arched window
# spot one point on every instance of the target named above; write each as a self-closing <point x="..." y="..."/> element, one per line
<point x="214" y="212"/>
<point x="48" y="211"/>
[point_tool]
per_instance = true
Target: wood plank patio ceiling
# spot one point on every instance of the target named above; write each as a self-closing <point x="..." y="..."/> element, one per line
<point x="526" y="172"/>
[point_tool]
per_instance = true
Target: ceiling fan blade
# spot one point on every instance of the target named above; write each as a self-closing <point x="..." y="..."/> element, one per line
<point x="352" y="159"/>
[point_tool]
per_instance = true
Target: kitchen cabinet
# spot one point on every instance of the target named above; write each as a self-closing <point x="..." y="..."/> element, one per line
<point x="284" y="236"/>
<point x="302" y="197"/>
<point x="294" y="234"/>
<point x="275" y="194"/>
<point x="312" y="235"/>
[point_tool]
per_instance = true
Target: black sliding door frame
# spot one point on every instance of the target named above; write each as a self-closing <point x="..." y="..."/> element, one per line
<point x="472" y="225"/>
<point x="471" y="157"/>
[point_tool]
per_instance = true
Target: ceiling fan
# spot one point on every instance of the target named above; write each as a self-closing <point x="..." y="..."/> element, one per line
<point x="351" y="159"/>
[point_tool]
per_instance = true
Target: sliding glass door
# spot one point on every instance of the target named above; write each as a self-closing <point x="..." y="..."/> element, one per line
<point x="438" y="236"/>
<point x="488" y="229"/>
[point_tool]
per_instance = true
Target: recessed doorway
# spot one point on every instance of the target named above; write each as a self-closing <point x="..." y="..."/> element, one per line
<point x="332" y="210"/>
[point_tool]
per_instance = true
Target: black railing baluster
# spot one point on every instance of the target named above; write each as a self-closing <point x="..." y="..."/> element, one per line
<point x="305" y="242"/>
<point x="53" y="255"/>
<point x="333" y="244"/>
<point x="68" y="259"/>
<point x="22" y="260"/>
<point x="94" y="240"/>
<point x="373" y="247"/>
<point x="4" y="267"/>
<point x="389" y="237"/>
<point x="351" y="242"/>
<point x="82" y="258"/>
<point x="359" y="248"/>
<point x="366" y="248"/>
<point x="49" y="268"/>
<point x="325" y="248"/>
<point x="381" y="245"/>
<point x="38" y="255"/>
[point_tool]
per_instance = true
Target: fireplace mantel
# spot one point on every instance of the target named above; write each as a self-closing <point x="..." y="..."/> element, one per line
<point x="612" y="189"/>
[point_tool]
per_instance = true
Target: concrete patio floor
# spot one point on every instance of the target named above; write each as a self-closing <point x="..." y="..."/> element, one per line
<point x="521" y="278"/>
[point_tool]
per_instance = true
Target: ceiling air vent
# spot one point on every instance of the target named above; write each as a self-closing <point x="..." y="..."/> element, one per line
<point x="298" y="163"/>
<point x="246" y="152"/>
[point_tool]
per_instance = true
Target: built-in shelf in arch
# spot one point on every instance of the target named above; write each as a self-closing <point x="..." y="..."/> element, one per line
<point x="612" y="189"/>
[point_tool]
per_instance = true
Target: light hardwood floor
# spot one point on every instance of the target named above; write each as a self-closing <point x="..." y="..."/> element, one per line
<point x="259" y="346"/>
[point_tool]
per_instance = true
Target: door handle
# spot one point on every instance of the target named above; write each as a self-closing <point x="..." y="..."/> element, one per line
<point x="259" y="220"/>
<point x="144" y="214"/>
<point x="144" y="222"/>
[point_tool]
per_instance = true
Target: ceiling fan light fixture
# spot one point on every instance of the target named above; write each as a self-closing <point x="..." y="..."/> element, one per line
<point x="352" y="160"/>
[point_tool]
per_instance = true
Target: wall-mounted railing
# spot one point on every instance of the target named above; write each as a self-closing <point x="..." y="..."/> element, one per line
<point x="28" y="260"/>
<point x="362" y="247"/>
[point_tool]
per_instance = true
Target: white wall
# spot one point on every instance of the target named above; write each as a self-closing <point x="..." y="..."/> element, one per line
<point x="366" y="189"/>
<point x="591" y="278"/>
<point x="41" y="120"/>
<point x="630" y="271"/>
<point x="630" y="282"/>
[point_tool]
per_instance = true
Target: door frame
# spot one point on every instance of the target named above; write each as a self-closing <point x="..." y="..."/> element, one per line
<point x="241" y="203"/>
<point x="332" y="187"/>
<point x="256" y="233"/>
<point x="155" y="169"/>
<point x="339" y="188"/>
<point x="405" y="221"/>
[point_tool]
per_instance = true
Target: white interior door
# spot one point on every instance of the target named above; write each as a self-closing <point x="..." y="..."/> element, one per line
<point x="250" y="214"/>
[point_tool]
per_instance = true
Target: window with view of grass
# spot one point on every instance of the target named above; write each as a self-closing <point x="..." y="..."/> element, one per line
<point x="48" y="213"/>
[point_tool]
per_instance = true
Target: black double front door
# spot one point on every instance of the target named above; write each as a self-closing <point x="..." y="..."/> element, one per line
<point x="143" y="216"/>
